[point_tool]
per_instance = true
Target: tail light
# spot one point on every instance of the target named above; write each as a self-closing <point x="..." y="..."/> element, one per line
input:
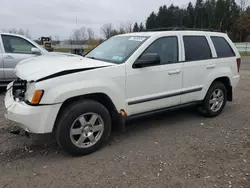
<point x="238" y="61"/>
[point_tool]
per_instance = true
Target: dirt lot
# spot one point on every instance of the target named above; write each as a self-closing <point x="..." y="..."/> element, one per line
<point x="174" y="149"/>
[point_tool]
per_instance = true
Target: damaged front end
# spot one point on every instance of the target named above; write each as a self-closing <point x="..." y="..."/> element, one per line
<point x="19" y="88"/>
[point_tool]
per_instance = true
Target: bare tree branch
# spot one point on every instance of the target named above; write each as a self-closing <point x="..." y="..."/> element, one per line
<point x="13" y="30"/>
<point x="79" y="35"/>
<point x="90" y="33"/>
<point x="27" y="34"/>
<point x="20" y="31"/>
<point x="243" y="4"/>
<point x="128" y="27"/>
<point x="125" y="28"/>
<point x="107" y="30"/>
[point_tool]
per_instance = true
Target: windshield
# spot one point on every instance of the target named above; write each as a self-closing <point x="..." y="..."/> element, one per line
<point x="116" y="49"/>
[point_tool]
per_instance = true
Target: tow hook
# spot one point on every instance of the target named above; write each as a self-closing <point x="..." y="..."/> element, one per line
<point x="118" y="121"/>
<point x="15" y="131"/>
<point x="27" y="134"/>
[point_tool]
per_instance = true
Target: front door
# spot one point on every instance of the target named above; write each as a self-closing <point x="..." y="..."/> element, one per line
<point x="159" y="86"/>
<point x="15" y="50"/>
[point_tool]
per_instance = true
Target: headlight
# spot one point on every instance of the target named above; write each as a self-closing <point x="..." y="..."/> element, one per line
<point x="33" y="95"/>
<point x="37" y="96"/>
<point x="30" y="89"/>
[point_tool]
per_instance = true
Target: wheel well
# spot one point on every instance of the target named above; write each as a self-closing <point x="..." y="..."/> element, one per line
<point x="226" y="81"/>
<point x="98" y="97"/>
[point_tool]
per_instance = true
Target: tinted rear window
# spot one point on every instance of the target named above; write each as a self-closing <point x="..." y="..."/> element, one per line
<point x="223" y="49"/>
<point x="196" y="48"/>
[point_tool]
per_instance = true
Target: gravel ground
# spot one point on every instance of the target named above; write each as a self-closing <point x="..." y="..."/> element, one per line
<point x="174" y="149"/>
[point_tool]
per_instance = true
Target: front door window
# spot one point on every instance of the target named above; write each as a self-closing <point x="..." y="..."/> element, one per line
<point x="14" y="44"/>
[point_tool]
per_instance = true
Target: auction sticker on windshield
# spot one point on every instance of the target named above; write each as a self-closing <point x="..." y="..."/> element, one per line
<point x="139" y="39"/>
<point x="117" y="58"/>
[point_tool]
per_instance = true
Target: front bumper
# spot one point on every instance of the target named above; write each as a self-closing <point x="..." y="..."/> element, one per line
<point x="34" y="119"/>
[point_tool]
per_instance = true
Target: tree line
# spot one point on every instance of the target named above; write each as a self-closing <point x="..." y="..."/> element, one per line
<point x="223" y="15"/>
<point x="24" y="32"/>
<point x="229" y="16"/>
<point x="226" y="16"/>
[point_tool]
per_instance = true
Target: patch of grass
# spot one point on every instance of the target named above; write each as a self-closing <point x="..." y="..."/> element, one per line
<point x="245" y="53"/>
<point x="87" y="50"/>
<point x="68" y="50"/>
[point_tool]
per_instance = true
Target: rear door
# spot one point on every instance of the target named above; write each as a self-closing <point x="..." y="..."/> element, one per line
<point x="225" y="55"/>
<point x="15" y="49"/>
<point x="197" y="65"/>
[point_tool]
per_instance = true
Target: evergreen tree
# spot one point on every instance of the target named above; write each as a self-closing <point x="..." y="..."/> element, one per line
<point x="190" y="16"/>
<point x="223" y="15"/>
<point x="174" y="16"/>
<point x="136" y="27"/>
<point x="162" y="19"/>
<point x="199" y="14"/>
<point x="220" y="15"/>
<point x="151" y="21"/>
<point x="209" y="13"/>
<point x="141" y="28"/>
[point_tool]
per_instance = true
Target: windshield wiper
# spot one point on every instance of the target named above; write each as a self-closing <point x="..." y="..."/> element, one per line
<point x="91" y="57"/>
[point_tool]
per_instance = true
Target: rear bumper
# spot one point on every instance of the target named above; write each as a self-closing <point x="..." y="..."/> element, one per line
<point x="34" y="119"/>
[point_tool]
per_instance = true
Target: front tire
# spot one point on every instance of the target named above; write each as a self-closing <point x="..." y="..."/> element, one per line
<point x="83" y="127"/>
<point x="215" y="100"/>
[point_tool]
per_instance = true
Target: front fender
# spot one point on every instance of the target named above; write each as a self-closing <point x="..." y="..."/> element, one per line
<point x="115" y="91"/>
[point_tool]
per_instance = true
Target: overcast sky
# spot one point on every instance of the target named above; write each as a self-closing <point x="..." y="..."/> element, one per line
<point x="58" y="17"/>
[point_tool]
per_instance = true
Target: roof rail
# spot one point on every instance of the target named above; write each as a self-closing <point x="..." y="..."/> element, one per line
<point x="180" y="29"/>
<point x="162" y="29"/>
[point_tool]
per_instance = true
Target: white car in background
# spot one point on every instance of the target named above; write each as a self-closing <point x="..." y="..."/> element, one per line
<point x="15" y="48"/>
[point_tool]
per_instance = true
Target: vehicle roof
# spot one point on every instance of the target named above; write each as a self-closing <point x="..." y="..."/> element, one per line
<point x="159" y="33"/>
<point x="12" y="34"/>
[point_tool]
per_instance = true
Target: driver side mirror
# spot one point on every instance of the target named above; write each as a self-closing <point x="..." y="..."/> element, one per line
<point x="146" y="60"/>
<point x="36" y="51"/>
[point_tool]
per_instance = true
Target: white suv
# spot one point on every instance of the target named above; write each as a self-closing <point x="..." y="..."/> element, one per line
<point x="81" y="99"/>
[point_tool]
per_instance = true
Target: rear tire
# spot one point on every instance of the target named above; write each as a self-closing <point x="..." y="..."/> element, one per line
<point x="83" y="127"/>
<point x="215" y="100"/>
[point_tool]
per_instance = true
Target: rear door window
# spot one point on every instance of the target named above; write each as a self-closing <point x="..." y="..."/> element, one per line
<point x="196" y="48"/>
<point x="223" y="49"/>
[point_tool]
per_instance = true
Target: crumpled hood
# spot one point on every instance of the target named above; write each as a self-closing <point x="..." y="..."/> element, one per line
<point x="39" y="67"/>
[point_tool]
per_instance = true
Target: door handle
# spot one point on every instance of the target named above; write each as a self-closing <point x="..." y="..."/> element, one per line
<point x="174" y="72"/>
<point x="9" y="57"/>
<point x="211" y="66"/>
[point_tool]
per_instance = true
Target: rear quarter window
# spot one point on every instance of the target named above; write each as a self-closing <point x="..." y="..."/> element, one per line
<point x="196" y="48"/>
<point x="223" y="49"/>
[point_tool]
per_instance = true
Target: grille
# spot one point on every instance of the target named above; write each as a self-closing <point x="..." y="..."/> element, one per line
<point x="19" y="89"/>
<point x="48" y="45"/>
